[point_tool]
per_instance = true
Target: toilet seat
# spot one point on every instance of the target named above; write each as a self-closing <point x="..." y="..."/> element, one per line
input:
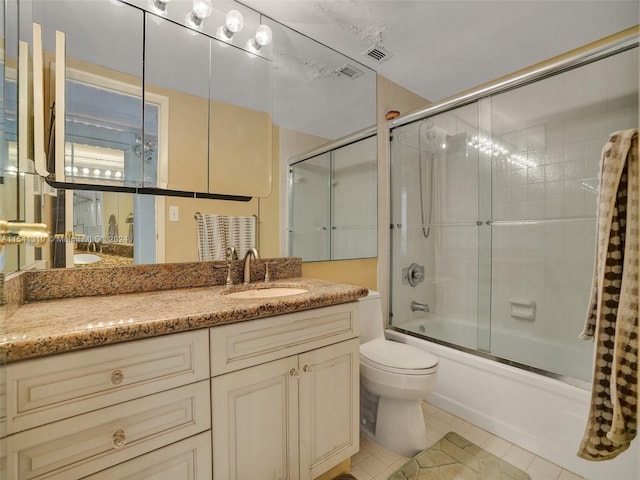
<point x="395" y="357"/>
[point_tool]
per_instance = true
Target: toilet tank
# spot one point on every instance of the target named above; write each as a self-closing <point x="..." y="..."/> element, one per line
<point x="371" y="324"/>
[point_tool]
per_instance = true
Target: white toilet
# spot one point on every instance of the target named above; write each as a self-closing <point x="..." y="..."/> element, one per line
<point x="394" y="378"/>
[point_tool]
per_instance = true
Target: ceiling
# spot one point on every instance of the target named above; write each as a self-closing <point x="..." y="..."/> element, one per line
<point x="442" y="47"/>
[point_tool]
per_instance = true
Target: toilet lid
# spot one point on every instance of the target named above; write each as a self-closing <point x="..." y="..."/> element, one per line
<point x="396" y="356"/>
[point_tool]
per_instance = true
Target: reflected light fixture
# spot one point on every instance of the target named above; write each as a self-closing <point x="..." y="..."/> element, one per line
<point x="232" y="25"/>
<point x="159" y="6"/>
<point x="262" y="37"/>
<point x="201" y="10"/>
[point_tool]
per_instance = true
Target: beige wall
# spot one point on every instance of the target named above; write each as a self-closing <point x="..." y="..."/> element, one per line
<point x="355" y="272"/>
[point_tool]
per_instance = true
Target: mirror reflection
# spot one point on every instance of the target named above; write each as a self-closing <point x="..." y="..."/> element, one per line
<point x="176" y="106"/>
<point x="276" y="102"/>
<point x="98" y="138"/>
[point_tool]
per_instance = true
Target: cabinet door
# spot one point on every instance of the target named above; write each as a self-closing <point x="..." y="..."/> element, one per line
<point x="329" y="406"/>
<point x="255" y="422"/>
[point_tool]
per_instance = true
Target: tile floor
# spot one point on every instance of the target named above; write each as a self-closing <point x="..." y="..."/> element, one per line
<point x="373" y="462"/>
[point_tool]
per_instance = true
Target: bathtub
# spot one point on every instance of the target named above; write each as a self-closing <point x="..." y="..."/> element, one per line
<point x="540" y="414"/>
<point x="576" y="358"/>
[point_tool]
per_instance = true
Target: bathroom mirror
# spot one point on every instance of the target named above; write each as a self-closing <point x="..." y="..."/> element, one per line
<point x="177" y="78"/>
<point x="306" y="113"/>
<point x="95" y="72"/>
<point x="178" y="145"/>
<point x="330" y="155"/>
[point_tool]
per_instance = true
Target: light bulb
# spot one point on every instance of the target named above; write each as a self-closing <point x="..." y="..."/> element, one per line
<point x="234" y="21"/>
<point x="159" y="6"/>
<point x="118" y="174"/>
<point x="67" y="169"/>
<point x="107" y="173"/>
<point x="96" y="172"/>
<point x="75" y="170"/>
<point x="85" y="171"/>
<point x="263" y="35"/>
<point x="202" y="8"/>
<point x="233" y="24"/>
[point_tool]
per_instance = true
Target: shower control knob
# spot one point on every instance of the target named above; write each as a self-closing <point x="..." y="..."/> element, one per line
<point x="415" y="274"/>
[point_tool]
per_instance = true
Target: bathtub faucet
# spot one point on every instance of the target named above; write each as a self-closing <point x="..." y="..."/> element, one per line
<point x="419" y="307"/>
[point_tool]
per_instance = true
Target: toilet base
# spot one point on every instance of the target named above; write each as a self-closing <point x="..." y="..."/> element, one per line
<point x="400" y="426"/>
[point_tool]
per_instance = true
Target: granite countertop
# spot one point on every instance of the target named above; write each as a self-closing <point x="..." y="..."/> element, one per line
<point x="67" y="324"/>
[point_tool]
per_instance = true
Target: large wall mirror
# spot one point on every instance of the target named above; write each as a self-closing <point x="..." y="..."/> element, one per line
<point x="202" y="115"/>
<point x="325" y="108"/>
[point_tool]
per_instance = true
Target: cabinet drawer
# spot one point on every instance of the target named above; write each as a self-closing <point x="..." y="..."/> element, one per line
<point x="241" y="345"/>
<point x="88" y="443"/>
<point x="48" y="389"/>
<point x="188" y="459"/>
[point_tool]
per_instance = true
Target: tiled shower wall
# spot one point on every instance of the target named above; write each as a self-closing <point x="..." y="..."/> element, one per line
<point x="549" y="264"/>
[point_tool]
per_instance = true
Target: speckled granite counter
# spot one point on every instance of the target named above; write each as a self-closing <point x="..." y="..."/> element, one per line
<point x="66" y="324"/>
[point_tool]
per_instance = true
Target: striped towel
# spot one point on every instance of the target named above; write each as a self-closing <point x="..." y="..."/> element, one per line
<point x="217" y="232"/>
<point x="241" y="233"/>
<point x="212" y="236"/>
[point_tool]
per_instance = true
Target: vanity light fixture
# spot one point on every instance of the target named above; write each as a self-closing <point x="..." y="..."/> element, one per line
<point x="232" y="25"/>
<point x="201" y="10"/>
<point x="159" y="6"/>
<point x="262" y="37"/>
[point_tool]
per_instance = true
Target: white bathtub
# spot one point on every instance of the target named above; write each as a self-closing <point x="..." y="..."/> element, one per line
<point x="538" y="413"/>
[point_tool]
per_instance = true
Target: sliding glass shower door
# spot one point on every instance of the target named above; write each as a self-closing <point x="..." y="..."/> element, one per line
<point x="493" y="212"/>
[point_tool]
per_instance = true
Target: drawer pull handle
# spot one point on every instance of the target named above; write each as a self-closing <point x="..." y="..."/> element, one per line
<point x="119" y="439"/>
<point x="116" y="377"/>
<point x="293" y="372"/>
<point x="307" y="368"/>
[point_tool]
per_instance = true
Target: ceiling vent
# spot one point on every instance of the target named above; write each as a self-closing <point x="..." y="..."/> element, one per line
<point x="349" y="71"/>
<point x="378" y="53"/>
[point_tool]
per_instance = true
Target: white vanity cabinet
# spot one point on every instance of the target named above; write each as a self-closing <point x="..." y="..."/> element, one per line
<point x="272" y="398"/>
<point x="75" y="414"/>
<point x="285" y="394"/>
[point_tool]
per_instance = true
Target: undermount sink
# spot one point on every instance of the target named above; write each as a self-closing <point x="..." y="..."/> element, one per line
<point x="266" y="292"/>
<point x="85" y="258"/>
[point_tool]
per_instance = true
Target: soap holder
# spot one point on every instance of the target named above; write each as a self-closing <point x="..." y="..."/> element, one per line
<point x="522" y="309"/>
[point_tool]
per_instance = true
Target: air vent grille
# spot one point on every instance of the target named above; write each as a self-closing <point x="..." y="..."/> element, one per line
<point x="349" y="71"/>
<point x="378" y="53"/>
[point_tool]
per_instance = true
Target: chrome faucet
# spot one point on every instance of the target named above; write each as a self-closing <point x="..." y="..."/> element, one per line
<point x="252" y="252"/>
<point x="89" y="246"/>
<point x="419" y="307"/>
